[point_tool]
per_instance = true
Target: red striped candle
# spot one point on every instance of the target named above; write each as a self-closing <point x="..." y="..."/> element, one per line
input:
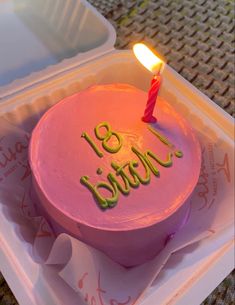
<point x="152" y="97"/>
<point x="155" y="65"/>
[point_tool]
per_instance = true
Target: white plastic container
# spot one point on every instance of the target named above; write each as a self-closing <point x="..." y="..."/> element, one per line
<point x="202" y="268"/>
<point x="42" y="38"/>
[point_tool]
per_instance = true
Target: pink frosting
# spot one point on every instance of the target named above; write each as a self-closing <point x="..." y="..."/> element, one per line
<point x="59" y="157"/>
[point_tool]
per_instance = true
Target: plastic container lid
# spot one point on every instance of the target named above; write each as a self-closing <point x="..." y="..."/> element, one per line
<point x="39" y="39"/>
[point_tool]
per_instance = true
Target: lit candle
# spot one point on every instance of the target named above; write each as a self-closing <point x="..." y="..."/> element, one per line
<point x="156" y="66"/>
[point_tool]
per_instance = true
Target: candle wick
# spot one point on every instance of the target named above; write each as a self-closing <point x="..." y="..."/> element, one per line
<point x="156" y="75"/>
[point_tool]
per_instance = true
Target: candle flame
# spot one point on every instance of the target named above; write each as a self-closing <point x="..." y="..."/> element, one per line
<point x="148" y="59"/>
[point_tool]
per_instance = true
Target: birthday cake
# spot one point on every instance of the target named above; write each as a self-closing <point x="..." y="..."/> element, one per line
<point x="111" y="180"/>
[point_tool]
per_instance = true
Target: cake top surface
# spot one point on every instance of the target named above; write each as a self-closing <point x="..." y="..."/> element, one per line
<point x="96" y="161"/>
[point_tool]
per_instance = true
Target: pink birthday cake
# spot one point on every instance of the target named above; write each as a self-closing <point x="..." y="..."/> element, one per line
<point x="107" y="178"/>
